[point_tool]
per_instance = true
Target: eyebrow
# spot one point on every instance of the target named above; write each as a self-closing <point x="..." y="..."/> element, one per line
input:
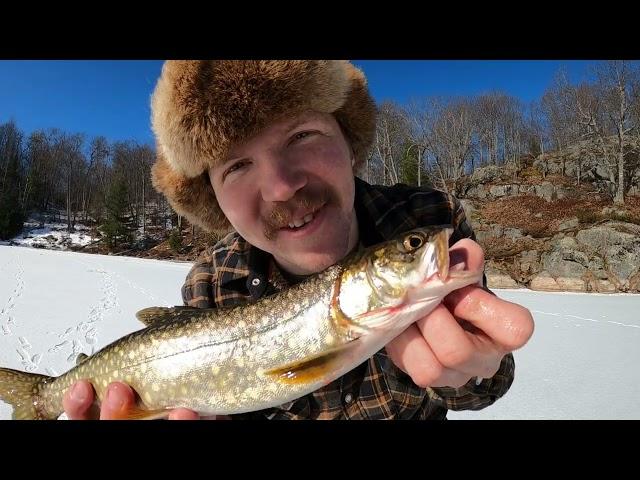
<point x="298" y="122"/>
<point x="295" y="124"/>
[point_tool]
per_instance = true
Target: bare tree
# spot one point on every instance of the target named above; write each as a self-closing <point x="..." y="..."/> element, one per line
<point x="392" y="132"/>
<point x="616" y="79"/>
<point x="558" y="106"/>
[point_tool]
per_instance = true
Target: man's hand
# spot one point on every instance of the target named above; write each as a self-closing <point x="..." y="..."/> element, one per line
<point x="78" y="403"/>
<point x="464" y="337"/>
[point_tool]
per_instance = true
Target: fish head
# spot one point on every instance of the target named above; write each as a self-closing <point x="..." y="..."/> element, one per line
<point x="409" y="274"/>
<point x="409" y="261"/>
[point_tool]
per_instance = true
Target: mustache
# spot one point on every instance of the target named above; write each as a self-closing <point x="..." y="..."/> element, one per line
<point x="308" y="199"/>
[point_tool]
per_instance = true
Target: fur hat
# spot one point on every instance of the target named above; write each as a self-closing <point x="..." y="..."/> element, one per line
<point x="200" y="108"/>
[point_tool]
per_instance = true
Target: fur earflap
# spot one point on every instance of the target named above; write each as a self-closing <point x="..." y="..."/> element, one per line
<point x="201" y="108"/>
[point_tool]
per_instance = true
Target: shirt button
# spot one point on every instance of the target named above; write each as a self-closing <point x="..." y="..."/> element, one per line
<point x="348" y="398"/>
<point x="255" y="282"/>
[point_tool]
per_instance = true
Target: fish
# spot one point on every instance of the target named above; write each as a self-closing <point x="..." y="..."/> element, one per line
<point x="263" y="354"/>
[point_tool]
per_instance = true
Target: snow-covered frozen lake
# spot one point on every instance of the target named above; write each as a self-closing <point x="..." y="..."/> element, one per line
<point x="583" y="361"/>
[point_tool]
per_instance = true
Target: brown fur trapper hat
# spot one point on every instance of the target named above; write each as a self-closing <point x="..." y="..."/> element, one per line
<point x="200" y="108"/>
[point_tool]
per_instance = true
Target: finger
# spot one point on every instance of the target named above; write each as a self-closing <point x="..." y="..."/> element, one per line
<point x="411" y="353"/>
<point x="454" y="348"/>
<point x="468" y="253"/>
<point x="183" y="414"/>
<point x="78" y="400"/>
<point x="508" y="324"/>
<point x="118" y="399"/>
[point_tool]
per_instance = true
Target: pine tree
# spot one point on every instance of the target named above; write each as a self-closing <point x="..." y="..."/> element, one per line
<point x="116" y="226"/>
<point x="11" y="213"/>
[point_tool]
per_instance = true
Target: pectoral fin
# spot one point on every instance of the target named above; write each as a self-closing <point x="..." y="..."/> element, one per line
<point x="313" y="368"/>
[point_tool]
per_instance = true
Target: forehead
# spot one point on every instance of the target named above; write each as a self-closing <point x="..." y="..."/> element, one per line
<point x="279" y="128"/>
<point x="291" y="122"/>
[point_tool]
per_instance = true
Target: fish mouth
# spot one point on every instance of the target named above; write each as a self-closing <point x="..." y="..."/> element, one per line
<point x="435" y="258"/>
<point x="441" y="243"/>
<point x="437" y="263"/>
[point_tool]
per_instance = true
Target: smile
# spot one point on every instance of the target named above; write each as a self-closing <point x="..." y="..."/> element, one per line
<point x="299" y="222"/>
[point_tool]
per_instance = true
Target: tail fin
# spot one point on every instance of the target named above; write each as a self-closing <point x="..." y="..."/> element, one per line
<point x="22" y="391"/>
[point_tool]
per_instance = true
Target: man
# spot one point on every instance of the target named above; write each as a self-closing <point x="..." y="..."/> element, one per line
<point x="268" y="150"/>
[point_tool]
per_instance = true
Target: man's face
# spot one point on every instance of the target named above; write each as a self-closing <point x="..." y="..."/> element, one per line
<point x="289" y="191"/>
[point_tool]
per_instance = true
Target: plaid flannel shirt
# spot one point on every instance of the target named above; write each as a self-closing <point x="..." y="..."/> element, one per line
<point x="234" y="272"/>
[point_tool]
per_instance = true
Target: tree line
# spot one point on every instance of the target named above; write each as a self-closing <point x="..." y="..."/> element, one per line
<point x="54" y="174"/>
<point x="441" y="139"/>
<point x="58" y="176"/>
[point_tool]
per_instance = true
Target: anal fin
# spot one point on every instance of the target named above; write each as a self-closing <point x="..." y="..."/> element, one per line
<point x="137" y="413"/>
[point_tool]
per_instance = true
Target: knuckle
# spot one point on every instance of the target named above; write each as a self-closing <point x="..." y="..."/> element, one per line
<point x="426" y="375"/>
<point x="454" y="356"/>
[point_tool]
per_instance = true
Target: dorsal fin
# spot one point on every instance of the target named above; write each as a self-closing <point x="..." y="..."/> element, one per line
<point x="155" y="315"/>
<point x="81" y="358"/>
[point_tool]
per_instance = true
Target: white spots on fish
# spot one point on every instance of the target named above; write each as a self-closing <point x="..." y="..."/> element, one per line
<point x="215" y="369"/>
<point x="155" y="387"/>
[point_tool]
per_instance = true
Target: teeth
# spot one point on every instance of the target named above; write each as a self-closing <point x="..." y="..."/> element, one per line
<point x="298" y="222"/>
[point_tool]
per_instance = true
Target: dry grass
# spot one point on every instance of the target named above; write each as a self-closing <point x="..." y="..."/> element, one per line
<point x="538" y="218"/>
<point x="497" y="248"/>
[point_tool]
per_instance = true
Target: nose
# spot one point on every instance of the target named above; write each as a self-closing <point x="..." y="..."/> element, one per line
<point x="280" y="180"/>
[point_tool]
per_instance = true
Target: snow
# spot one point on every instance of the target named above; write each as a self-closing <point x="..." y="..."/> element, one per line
<point x="51" y="236"/>
<point x="581" y="363"/>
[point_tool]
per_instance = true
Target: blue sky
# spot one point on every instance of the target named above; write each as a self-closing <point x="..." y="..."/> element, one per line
<point x="111" y="98"/>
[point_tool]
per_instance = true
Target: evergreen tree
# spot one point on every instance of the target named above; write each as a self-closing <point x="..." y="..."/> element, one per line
<point x="11" y="212"/>
<point x="409" y="166"/>
<point x="116" y="226"/>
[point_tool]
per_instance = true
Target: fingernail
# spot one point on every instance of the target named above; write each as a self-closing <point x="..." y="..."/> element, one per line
<point x="115" y="401"/>
<point x="79" y="392"/>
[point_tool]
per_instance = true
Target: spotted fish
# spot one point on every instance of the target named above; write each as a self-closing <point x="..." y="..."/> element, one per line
<point x="267" y="353"/>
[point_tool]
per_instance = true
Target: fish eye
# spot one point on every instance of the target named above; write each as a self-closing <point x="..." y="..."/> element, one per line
<point x="413" y="242"/>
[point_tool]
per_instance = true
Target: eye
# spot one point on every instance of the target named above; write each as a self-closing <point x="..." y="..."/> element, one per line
<point x="413" y="242"/>
<point x="301" y="135"/>
<point x="234" y="168"/>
